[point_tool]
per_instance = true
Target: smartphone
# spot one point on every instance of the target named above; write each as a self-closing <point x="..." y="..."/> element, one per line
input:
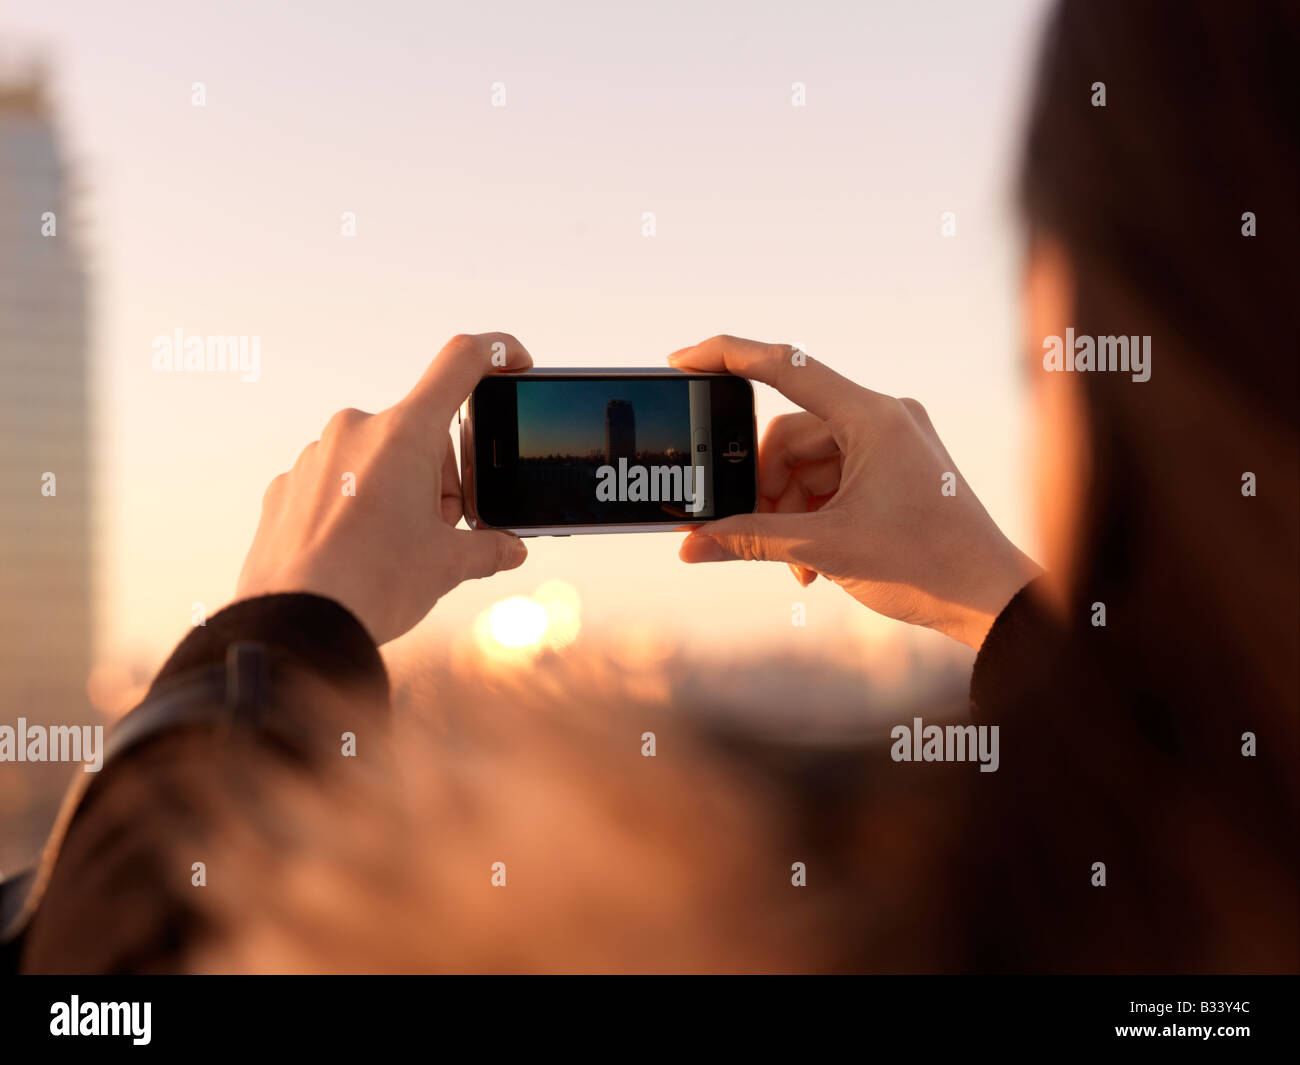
<point x="555" y="452"/>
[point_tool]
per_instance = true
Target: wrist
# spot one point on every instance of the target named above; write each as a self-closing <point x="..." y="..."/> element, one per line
<point x="973" y="617"/>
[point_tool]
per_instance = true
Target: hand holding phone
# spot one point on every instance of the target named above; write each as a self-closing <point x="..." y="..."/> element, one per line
<point x="859" y="488"/>
<point x="354" y="520"/>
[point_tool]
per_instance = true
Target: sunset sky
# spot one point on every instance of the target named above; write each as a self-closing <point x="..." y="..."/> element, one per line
<point x="568" y="418"/>
<point x="817" y="224"/>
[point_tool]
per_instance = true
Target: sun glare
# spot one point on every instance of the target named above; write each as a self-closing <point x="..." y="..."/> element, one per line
<point x="517" y="622"/>
<point x="516" y="629"/>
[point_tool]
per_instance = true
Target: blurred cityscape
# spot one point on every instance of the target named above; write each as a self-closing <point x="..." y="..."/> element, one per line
<point x="846" y="688"/>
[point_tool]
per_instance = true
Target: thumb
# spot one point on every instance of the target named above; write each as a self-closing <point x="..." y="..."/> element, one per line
<point x="751" y="537"/>
<point x="481" y="553"/>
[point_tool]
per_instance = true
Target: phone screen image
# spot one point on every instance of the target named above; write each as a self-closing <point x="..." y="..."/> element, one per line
<point x="602" y="450"/>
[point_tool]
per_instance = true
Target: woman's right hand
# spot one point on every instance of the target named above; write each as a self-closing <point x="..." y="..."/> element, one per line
<point x="853" y="488"/>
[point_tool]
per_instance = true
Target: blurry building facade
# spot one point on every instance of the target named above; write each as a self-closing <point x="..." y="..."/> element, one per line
<point x="45" y="552"/>
<point x="620" y="431"/>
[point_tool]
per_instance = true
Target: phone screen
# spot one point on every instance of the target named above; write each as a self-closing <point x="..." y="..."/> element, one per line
<point x="553" y="450"/>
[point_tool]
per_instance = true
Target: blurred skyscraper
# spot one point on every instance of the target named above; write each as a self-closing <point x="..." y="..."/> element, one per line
<point x="45" y="556"/>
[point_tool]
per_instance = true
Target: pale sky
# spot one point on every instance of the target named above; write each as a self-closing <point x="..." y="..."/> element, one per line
<point x="817" y="224"/>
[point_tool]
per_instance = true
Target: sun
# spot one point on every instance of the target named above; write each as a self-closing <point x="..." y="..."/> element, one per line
<point x="519" y="628"/>
<point x="517" y="622"/>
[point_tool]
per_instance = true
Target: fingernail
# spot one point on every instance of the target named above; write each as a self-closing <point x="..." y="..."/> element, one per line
<point x="518" y="552"/>
<point x="700" y="548"/>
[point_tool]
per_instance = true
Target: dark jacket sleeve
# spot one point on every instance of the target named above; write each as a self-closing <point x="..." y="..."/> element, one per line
<point x="316" y="632"/>
<point x="1019" y="656"/>
<point x="113" y="890"/>
<point x="1069" y="859"/>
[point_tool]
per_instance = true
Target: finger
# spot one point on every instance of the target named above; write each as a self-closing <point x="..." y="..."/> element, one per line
<point x="803" y="575"/>
<point x="804" y="380"/>
<point x="816" y="481"/>
<point x="481" y="552"/>
<point x="751" y="537"/>
<point x="795" y="501"/>
<point x="788" y="441"/>
<point x="459" y="366"/>
<point x="452" y="504"/>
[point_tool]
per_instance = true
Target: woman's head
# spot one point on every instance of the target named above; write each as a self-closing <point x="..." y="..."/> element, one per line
<point x="1158" y="189"/>
<point x="1158" y="186"/>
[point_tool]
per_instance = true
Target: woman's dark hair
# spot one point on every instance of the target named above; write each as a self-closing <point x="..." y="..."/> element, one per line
<point x="1175" y="203"/>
